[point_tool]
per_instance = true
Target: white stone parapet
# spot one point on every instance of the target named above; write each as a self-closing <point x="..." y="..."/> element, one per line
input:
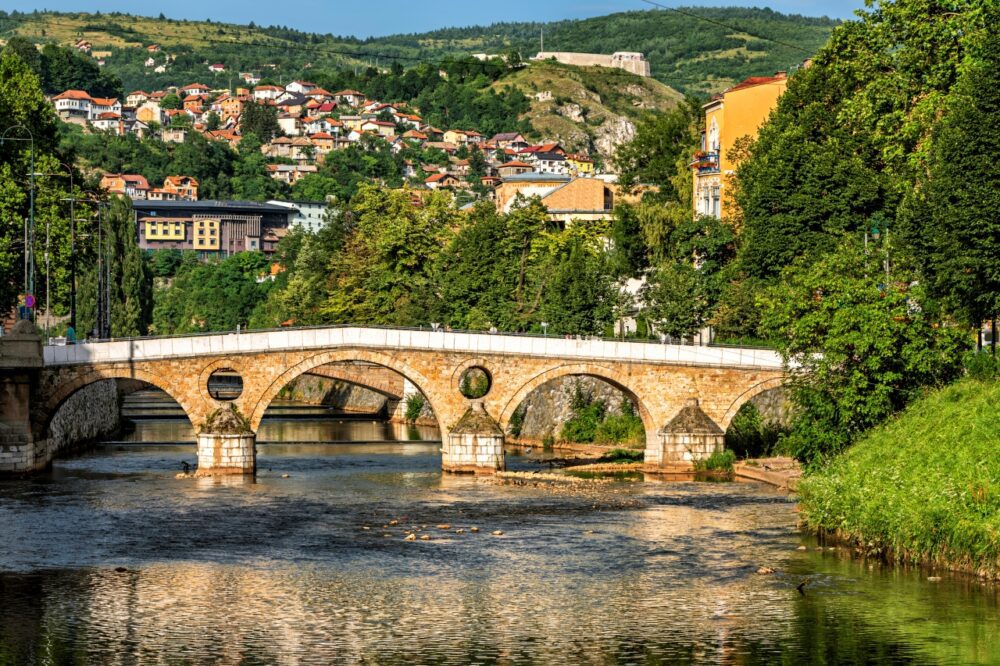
<point x="146" y="349"/>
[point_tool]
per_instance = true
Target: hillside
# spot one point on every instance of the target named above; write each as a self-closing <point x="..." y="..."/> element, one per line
<point x="588" y="108"/>
<point x="688" y="54"/>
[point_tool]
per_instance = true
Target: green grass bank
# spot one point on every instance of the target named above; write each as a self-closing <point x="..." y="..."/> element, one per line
<point x="923" y="488"/>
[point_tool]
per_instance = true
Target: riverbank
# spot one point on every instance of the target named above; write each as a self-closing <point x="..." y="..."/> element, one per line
<point x="922" y="489"/>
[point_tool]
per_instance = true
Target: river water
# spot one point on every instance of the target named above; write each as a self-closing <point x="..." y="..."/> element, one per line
<point x="111" y="559"/>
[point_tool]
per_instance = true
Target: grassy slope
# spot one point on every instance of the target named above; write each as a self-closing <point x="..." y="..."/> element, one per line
<point x="687" y="54"/>
<point x="603" y="95"/>
<point x="923" y="488"/>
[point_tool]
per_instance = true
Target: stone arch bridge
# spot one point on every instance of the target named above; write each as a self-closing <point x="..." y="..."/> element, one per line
<point x="666" y="382"/>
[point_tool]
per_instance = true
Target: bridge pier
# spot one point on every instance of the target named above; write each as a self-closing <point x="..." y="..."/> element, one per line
<point x="226" y="445"/>
<point x="20" y="361"/>
<point x="474" y="444"/>
<point x="689" y="437"/>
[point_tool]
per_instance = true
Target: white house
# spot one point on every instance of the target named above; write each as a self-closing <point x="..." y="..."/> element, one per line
<point x="78" y="105"/>
<point x="300" y="87"/>
<point x="262" y="93"/>
<point x="308" y="215"/>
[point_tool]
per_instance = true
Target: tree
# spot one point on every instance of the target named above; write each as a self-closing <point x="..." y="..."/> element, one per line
<point x="676" y="299"/>
<point x="170" y="102"/>
<point x="660" y="141"/>
<point x="212" y="121"/>
<point x="577" y="290"/>
<point x="261" y="120"/>
<point x="858" y="346"/>
<point x="952" y="218"/>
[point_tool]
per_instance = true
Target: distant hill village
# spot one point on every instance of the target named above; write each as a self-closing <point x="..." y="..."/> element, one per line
<point x="315" y="122"/>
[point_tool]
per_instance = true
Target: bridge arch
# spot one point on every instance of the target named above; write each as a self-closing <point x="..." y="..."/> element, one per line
<point x="603" y="372"/>
<point x="390" y="361"/>
<point x="747" y="395"/>
<point x="63" y="391"/>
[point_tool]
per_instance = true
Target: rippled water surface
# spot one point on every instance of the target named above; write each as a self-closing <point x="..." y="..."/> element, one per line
<point x="110" y="559"/>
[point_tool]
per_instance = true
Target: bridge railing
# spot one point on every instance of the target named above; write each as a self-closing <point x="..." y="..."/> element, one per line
<point x="284" y="339"/>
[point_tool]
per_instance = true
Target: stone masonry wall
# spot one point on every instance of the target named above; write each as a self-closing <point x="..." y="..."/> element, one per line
<point x="315" y="390"/>
<point x="89" y="414"/>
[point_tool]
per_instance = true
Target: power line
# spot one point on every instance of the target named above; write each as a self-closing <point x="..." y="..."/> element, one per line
<point x="727" y="26"/>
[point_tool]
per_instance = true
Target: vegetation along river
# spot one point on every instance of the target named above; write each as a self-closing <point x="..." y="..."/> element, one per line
<point x="111" y="559"/>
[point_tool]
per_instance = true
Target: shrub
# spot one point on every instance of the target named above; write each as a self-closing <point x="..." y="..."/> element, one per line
<point x="720" y="461"/>
<point x="414" y="406"/>
<point x="750" y="435"/>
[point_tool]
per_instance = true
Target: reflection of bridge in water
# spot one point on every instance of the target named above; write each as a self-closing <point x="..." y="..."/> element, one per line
<point x="685" y="395"/>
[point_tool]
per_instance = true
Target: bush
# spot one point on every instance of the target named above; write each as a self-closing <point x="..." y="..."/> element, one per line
<point x="623" y="456"/>
<point x="720" y="461"/>
<point x="981" y="365"/>
<point x="414" y="406"/>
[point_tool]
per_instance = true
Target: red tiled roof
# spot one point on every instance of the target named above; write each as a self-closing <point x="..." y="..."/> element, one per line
<point x="756" y="81"/>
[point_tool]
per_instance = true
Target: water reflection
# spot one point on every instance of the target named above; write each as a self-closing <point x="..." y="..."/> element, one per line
<point x="283" y="570"/>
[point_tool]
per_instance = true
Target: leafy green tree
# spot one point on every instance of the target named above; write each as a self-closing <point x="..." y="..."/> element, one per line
<point x="661" y="140"/>
<point x="858" y="347"/>
<point x="676" y="298"/>
<point x="577" y="296"/>
<point x="171" y="102"/>
<point x="952" y="218"/>
<point x="261" y="120"/>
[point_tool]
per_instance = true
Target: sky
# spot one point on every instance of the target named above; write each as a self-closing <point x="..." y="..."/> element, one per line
<point x="386" y="17"/>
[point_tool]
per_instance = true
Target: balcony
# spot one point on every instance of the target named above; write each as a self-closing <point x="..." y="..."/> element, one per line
<point x="705" y="163"/>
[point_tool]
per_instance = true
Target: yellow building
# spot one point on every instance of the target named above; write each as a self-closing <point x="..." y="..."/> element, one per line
<point x="736" y="113"/>
<point x="164" y="230"/>
<point x="205" y="234"/>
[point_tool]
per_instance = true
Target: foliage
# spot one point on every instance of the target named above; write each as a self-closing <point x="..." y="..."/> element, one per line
<point x="676" y="299"/>
<point x="414" y="406"/>
<point x="951" y="220"/>
<point x="750" y="436"/>
<point x="261" y="120"/>
<point x="719" y="461"/>
<point x="921" y="488"/>
<point x="591" y="421"/>
<point x="661" y="140"/>
<point x="981" y="365"/>
<point x="475" y="383"/>
<point x="61" y="68"/>
<point x="212" y="296"/>
<point x="622" y="428"/>
<point x="127" y="275"/>
<point x="622" y="456"/>
<point x="859" y="346"/>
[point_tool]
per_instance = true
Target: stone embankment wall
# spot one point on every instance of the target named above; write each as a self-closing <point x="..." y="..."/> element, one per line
<point x="314" y="390"/>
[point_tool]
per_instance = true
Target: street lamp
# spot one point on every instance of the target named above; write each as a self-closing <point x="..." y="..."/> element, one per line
<point x="545" y="328"/>
<point x="29" y="281"/>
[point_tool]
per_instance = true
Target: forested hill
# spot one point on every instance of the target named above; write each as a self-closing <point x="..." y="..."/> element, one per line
<point x="686" y="53"/>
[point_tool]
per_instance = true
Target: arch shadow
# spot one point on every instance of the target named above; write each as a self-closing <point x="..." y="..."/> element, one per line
<point x="743" y="398"/>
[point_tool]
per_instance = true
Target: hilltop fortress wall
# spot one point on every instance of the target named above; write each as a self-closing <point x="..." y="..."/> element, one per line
<point x="635" y="63"/>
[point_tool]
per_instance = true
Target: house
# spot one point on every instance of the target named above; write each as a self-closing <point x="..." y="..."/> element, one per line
<point x="290" y="173"/>
<point x="136" y="98"/>
<point x="292" y="103"/>
<point x="217" y="68"/>
<point x="300" y="87"/>
<point x="458" y="137"/>
<point x="323" y="142"/>
<point x="230" y="136"/>
<point x="185" y="187"/>
<point x="567" y="199"/>
<point x="509" y="140"/>
<point x="735" y="114"/>
<point x="349" y="97"/>
<point x="320" y="95"/>
<point x="580" y="165"/>
<point x="449" y="148"/>
<point x="325" y="109"/>
<point x="150" y="112"/>
<point x="290" y="124"/>
<point x="153" y="48"/>
<point x="410" y="120"/>
<point x="131" y="185"/>
<point x="551" y="163"/>
<point x="109" y="122"/>
<point x="440" y="180"/>
<point x="160" y="69"/>
<point x="261" y="93"/>
<point x="433" y="133"/>
<point x="195" y="103"/>
<point x="173" y="135"/>
<point x="82" y="45"/>
<point x="77" y="105"/>
<point x="414" y="135"/>
<point x="307" y="215"/>
<point x="384" y="129"/>
<point x="149" y="62"/>
<point x="513" y="168"/>
<point x="193" y="89"/>
<point x="249" y="78"/>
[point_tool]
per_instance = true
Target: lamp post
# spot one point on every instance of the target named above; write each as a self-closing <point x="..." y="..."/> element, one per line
<point x="29" y="281"/>
<point x="545" y="328"/>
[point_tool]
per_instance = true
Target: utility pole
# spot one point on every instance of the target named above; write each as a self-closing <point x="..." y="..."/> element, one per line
<point x="29" y="235"/>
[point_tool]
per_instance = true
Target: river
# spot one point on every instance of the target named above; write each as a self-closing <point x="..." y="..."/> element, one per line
<point x="111" y="559"/>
